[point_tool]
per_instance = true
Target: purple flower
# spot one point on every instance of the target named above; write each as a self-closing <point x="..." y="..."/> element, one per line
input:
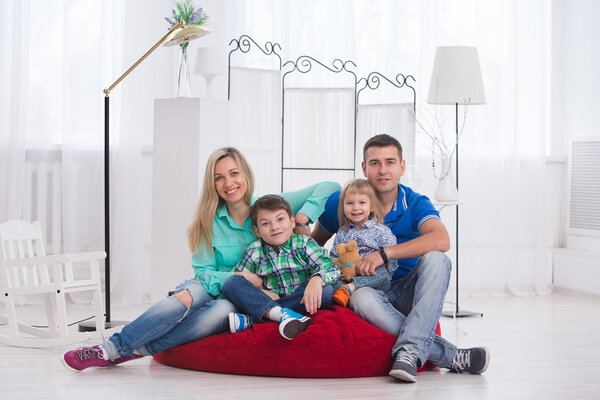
<point x="170" y="21"/>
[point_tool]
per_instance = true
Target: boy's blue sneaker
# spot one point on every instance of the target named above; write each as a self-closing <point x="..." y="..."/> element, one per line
<point x="292" y="323"/>
<point x="239" y="322"/>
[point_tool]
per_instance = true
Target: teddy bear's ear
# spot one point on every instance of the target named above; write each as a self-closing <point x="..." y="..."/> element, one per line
<point x="341" y="249"/>
<point x="351" y="245"/>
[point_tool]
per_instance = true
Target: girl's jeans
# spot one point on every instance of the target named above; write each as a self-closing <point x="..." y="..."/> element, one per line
<point x="255" y="302"/>
<point x="379" y="281"/>
<point x="411" y="309"/>
<point x="169" y="323"/>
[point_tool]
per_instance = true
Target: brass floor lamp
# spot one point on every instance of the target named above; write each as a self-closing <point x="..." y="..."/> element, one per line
<point x="178" y="34"/>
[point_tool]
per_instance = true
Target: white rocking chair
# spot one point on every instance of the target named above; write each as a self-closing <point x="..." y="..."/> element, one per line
<point x="25" y="269"/>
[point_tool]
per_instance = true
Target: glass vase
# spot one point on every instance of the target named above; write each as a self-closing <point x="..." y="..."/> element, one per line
<point x="184" y="87"/>
<point x="446" y="186"/>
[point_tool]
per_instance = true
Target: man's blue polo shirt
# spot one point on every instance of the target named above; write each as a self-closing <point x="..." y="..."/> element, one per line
<point x="405" y="218"/>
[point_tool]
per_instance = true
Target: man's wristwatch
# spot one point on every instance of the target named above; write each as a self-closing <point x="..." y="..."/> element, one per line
<point x="303" y="223"/>
<point x="383" y="255"/>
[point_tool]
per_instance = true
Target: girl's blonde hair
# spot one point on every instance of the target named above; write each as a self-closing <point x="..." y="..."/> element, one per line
<point x="359" y="186"/>
<point x="200" y="230"/>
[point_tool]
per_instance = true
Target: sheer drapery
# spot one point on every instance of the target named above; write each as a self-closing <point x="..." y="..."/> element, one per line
<point x="503" y="244"/>
<point x="59" y="55"/>
<point x="503" y="239"/>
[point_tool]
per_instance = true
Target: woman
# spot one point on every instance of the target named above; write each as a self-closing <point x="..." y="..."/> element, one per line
<point x="218" y="236"/>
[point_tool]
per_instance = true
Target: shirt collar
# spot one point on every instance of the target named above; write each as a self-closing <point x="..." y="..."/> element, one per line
<point x="369" y="224"/>
<point x="222" y="214"/>
<point x="285" y="247"/>
<point x="400" y="205"/>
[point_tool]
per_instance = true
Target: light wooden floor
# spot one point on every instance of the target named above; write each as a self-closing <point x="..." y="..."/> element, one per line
<point x="541" y="348"/>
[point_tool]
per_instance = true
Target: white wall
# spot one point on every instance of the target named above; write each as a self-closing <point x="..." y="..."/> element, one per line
<point x="575" y="100"/>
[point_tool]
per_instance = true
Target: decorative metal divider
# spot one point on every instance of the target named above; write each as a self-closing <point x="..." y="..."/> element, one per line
<point x="372" y="82"/>
<point x="304" y="64"/>
<point x="244" y="44"/>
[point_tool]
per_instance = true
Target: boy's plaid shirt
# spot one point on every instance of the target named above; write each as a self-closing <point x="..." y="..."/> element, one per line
<point x="299" y="259"/>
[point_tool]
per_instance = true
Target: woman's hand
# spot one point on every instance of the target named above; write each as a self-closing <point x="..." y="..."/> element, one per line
<point x="312" y="294"/>
<point x="302" y="230"/>
<point x="369" y="263"/>
<point x="251" y="277"/>
<point x="274" y="296"/>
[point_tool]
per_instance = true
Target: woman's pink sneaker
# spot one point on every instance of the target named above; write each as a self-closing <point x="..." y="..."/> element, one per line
<point x="85" y="357"/>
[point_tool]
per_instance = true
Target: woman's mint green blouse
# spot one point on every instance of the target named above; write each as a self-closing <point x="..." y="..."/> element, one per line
<point x="230" y="240"/>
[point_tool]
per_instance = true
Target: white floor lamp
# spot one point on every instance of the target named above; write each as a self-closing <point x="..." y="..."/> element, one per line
<point x="456" y="79"/>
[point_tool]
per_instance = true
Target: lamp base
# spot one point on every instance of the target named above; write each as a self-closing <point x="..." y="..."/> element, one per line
<point x="90" y="326"/>
<point x="461" y="314"/>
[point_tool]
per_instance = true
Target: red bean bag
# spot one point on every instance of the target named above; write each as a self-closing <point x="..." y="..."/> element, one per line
<point x="337" y="344"/>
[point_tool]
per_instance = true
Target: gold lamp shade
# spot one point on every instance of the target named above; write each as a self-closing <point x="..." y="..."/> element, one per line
<point x="185" y="34"/>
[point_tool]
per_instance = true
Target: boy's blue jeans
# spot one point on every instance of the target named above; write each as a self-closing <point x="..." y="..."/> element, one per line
<point x="411" y="309"/>
<point x="168" y="323"/>
<point x="254" y="302"/>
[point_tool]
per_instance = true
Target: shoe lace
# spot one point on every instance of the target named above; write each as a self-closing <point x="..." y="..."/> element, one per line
<point x="407" y="357"/>
<point x="461" y="360"/>
<point x="246" y="322"/>
<point x="89" y="353"/>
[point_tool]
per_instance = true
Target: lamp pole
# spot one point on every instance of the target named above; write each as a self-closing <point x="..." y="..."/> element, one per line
<point x="185" y="34"/>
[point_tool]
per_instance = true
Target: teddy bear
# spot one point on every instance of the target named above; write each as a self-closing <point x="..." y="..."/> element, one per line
<point x="347" y="257"/>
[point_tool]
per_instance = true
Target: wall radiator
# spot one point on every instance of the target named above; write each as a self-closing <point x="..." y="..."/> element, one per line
<point x="584" y="192"/>
<point x="43" y="195"/>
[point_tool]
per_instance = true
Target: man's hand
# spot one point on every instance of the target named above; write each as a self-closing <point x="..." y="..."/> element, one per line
<point x="313" y="294"/>
<point x="274" y="296"/>
<point x="251" y="277"/>
<point x="369" y="263"/>
<point x="302" y="230"/>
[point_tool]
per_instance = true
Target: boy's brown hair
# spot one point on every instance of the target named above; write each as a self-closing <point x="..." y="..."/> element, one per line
<point x="270" y="202"/>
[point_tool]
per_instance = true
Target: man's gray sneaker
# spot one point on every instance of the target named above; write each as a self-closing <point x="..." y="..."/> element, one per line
<point x="405" y="366"/>
<point x="474" y="360"/>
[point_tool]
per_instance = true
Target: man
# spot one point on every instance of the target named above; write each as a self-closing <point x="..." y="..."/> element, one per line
<point x="410" y="310"/>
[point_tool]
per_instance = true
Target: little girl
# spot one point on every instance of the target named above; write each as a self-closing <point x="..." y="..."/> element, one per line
<point x="360" y="220"/>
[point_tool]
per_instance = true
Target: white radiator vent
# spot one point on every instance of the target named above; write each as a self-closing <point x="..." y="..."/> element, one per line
<point x="584" y="210"/>
<point x="43" y="195"/>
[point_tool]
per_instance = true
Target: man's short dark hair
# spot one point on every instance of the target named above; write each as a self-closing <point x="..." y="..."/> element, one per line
<point x="270" y="202"/>
<point x="382" y="140"/>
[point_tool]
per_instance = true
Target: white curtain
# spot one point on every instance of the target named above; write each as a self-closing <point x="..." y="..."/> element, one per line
<point x="503" y="227"/>
<point x="57" y="56"/>
<point x="502" y="149"/>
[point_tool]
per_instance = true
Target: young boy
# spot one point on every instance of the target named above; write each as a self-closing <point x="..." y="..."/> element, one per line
<point x="296" y="272"/>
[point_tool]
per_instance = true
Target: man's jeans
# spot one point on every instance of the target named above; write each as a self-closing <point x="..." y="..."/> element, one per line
<point x="255" y="302"/>
<point x="411" y="309"/>
<point x="169" y="323"/>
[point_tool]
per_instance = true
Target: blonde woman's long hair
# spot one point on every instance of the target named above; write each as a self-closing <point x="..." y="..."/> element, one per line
<point x="201" y="229"/>
<point x="359" y="186"/>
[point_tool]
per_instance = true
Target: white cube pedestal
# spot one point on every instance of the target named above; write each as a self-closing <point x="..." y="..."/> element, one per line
<point x="186" y="131"/>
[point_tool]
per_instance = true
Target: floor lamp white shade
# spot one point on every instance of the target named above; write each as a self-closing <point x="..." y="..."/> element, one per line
<point x="456" y="77"/>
